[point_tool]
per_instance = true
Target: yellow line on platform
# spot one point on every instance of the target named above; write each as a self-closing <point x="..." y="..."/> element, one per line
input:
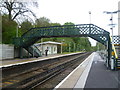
<point x="8" y="83"/>
<point x="118" y="67"/>
<point x="116" y="44"/>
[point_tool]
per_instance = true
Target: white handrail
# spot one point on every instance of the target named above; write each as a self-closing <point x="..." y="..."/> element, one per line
<point x="113" y="47"/>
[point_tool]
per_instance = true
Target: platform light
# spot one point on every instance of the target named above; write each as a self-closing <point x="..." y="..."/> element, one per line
<point x="111" y="19"/>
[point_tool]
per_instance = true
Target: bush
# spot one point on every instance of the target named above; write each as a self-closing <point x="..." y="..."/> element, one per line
<point x="8" y="30"/>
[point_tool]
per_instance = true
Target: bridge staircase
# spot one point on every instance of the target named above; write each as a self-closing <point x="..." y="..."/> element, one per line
<point x="33" y="50"/>
<point x="116" y="44"/>
<point x="26" y="41"/>
<point x="118" y="60"/>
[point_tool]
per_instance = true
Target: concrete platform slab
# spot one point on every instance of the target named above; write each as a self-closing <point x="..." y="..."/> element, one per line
<point x="71" y="80"/>
<point x="100" y="76"/>
<point x="7" y="63"/>
<point x="91" y="74"/>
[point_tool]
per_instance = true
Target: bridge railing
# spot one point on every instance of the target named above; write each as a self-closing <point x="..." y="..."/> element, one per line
<point x="114" y="51"/>
<point x="90" y="30"/>
<point x="116" y="40"/>
<point x="114" y="55"/>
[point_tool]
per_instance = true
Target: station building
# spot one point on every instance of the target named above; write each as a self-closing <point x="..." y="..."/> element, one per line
<point x="51" y="46"/>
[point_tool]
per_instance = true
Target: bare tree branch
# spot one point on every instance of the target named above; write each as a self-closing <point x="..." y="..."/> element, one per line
<point x="16" y="9"/>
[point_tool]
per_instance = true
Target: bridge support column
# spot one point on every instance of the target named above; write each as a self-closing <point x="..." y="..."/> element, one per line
<point x="21" y="52"/>
<point x="109" y="48"/>
<point x="112" y="63"/>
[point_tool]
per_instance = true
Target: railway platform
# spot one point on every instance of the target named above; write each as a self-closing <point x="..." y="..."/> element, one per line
<point x="12" y="62"/>
<point x="91" y="74"/>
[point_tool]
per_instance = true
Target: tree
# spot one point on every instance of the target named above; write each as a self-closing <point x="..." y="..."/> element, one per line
<point x="8" y="30"/>
<point x="71" y="44"/>
<point x="78" y="42"/>
<point x="25" y="26"/>
<point x="55" y="24"/>
<point x="16" y="10"/>
<point x="69" y="23"/>
<point x="42" y="22"/>
<point x="13" y="11"/>
<point x="100" y="46"/>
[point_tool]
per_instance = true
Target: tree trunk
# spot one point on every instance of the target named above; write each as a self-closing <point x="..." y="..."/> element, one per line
<point x="10" y="16"/>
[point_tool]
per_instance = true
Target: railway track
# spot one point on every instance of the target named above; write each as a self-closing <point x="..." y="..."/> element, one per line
<point x="38" y="75"/>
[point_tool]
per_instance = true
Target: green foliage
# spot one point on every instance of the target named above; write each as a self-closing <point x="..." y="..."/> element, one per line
<point x="8" y="30"/>
<point x="25" y="26"/>
<point x="55" y="24"/>
<point x="71" y="44"/>
<point x="42" y="22"/>
<point x="69" y="23"/>
<point x="100" y="46"/>
<point x="79" y="44"/>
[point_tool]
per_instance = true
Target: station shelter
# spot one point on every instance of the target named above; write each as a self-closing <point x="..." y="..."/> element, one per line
<point x="50" y="45"/>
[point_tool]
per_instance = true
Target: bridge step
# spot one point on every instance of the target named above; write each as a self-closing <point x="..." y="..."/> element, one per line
<point x="118" y="63"/>
<point x="34" y="51"/>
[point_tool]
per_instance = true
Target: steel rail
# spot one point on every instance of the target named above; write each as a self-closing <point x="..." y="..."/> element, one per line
<point x="33" y="80"/>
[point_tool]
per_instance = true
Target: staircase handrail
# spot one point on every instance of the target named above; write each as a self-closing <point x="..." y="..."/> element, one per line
<point x="113" y="47"/>
<point x="37" y="50"/>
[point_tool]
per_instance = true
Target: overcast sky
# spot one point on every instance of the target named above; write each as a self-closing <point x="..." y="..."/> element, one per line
<point x="77" y="11"/>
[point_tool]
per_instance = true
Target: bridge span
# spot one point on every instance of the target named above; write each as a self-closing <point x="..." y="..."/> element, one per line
<point x="27" y="40"/>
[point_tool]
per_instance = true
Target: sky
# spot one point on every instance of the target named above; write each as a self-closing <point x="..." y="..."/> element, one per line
<point x="77" y="12"/>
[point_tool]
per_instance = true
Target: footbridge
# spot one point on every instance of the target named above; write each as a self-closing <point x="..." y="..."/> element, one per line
<point x="81" y="30"/>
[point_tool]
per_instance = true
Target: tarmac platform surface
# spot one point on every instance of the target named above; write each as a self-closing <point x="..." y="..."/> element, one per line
<point x="11" y="62"/>
<point x="100" y="77"/>
<point x="92" y="74"/>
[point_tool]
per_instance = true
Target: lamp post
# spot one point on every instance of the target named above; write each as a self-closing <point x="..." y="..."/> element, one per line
<point x="90" y="16"/>
<point x="112" y="61"/>
<point x="18" y="26"/>
<point x="69" y="47"/>
<point x="74" y="48"/>
<point x="111" y="19"/>
<point x="42" y="51"/>
<point x="62" y="46"/>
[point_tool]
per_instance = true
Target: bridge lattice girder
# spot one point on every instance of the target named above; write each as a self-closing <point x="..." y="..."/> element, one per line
<point x="90" y="30"/>
<point x="85" y="30"/>
<point x="116" y="40"/>
<point x="82" y="30"/>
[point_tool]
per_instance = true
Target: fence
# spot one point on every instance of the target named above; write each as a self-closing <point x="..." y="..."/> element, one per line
<point x="6" y="51"/>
